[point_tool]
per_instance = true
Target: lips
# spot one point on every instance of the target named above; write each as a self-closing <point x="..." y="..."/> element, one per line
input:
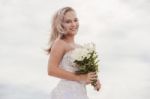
<point x="73" y="29"/>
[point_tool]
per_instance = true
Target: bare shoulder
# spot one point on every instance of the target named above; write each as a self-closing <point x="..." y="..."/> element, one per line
<point x="57" y="53"/>
<point x="58" y="46"/>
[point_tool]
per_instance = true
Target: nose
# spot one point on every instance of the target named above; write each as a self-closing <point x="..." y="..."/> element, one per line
<point x="73" y="24"/>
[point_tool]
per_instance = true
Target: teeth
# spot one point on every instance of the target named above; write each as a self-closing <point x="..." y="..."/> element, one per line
<point x="73" y="29"/>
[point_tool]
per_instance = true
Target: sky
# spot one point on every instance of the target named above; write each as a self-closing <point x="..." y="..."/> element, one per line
<point x="119" y="28"/>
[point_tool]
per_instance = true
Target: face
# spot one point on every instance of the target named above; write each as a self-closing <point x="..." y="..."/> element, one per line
<point x="70" y="23"/>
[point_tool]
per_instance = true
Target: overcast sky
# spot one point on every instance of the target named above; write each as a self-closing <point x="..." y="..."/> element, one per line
<point x="119" y="28"/>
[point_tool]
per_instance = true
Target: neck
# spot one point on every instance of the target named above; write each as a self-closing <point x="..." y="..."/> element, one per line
<point x="70" y="39"/>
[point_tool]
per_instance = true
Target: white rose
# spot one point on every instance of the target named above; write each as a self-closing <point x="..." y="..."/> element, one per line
<point x="80" y="54"/>
<point x="77" y="54"/>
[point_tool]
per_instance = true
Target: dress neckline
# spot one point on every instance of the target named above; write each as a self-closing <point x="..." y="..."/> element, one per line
<point x="71" y="50"/>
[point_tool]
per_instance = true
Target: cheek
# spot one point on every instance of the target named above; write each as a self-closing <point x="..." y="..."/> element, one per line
<point x="65" y="26"/>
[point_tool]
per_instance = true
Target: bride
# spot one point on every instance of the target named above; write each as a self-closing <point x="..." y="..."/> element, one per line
<point x="64" y="27"/>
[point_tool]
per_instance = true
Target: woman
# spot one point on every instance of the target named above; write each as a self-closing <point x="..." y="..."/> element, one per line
<point x="71" y="86"/>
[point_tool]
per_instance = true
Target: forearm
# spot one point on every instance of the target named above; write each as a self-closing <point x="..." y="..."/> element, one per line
<point x="63" y="74"/>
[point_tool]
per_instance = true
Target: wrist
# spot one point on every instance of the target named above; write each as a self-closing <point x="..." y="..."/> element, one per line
<point x="81" y="79"/>
<point x="77" y="77"/>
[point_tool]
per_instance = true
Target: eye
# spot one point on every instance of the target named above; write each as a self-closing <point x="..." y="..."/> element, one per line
<point x="67" y="21"/>
<point x="76" y="20"/>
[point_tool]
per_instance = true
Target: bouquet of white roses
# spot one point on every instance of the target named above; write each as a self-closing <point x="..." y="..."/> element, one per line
<point x="86" y="59"/>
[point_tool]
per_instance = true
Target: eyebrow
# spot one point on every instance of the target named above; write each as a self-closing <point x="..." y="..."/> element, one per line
<point x="70" y="19"/>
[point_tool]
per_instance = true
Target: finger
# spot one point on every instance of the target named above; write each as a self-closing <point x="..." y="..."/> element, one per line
<point x="92" y="73"/>
<point x="92" y="76"/>
<point x="96" y="87"/>
<point x="95" y="76"/>
<point x="92" y="79"/>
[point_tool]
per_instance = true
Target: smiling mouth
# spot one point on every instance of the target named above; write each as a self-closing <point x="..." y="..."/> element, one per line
<point x="74" y="29"/>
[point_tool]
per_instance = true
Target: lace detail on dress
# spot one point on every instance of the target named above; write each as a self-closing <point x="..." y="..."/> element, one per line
<point x="67" y="62"/>
<point x="67" y="89"/>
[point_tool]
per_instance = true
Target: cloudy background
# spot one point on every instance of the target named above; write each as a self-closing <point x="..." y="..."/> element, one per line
<point x="120" y="29"/>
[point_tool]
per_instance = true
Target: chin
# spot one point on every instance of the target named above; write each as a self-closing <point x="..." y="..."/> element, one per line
<point x="72" y="33"/>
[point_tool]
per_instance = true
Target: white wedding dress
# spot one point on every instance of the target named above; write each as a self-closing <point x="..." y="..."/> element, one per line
<point x="67" y="89"/>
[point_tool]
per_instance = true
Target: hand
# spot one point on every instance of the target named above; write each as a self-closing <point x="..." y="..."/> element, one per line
<point x="97" y="86"/>
<point x="88" y="78"/>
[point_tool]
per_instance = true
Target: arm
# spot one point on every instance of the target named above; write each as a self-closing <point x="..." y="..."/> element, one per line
<point x="57" y="52"/>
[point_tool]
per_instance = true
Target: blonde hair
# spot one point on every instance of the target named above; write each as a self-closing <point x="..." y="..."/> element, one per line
<point x="56" y="27"/>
